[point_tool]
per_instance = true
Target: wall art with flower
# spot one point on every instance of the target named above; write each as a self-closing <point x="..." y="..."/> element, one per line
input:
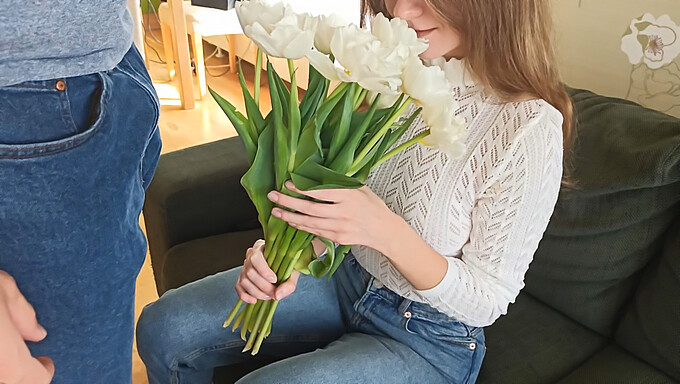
<point x="653" y="48"/>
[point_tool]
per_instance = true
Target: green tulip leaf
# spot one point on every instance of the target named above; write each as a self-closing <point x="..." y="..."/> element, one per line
<point x="281" y="150"/>
<point x="341" y="130"/>
<point x="259" y="180"/>
<point x="316" y="91"/>
<point x="313" y="176"/>
<point x="320" y="267"/>
<point x="240" y="123"/>
<point x="359" y="125"/>
<point x="253" y="111"/>
<point x="340" y="253"/>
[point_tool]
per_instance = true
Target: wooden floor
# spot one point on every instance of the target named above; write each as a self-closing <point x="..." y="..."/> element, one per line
<point x="181" y="129"/>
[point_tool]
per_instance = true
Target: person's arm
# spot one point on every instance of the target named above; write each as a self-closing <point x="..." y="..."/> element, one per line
<point x="508" y="221"/>
<point x="18" y="324"/>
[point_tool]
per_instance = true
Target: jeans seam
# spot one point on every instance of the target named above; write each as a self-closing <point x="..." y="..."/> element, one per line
<point x="151" y="95"/>
<point x="66" y="112"/>
<point x="234" y="343"/>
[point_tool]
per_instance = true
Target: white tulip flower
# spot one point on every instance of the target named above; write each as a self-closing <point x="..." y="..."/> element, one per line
<point x="361" y="59"/>
<point x="276" y="29"/>
<point x="397" y="36"/>
<point x="325" y="30"/>
<point x="447" y="131"/>
<point x="426" y="85"/>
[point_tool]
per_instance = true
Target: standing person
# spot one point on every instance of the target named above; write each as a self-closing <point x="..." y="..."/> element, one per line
<point x="442" y="244"/>
<point x="79" y="142"/>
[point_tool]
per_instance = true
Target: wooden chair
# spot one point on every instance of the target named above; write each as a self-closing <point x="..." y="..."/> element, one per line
<point x="179" y="18"/>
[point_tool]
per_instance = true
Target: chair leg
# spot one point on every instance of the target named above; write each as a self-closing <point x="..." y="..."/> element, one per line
<point x="232" y="53"/>
<point x="199" y="59"/>
<point x="166" y="34"/>
<point x="181" y="48"/>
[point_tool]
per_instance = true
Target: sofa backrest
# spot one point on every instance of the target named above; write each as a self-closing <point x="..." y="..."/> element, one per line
<point x="616" y="221"/>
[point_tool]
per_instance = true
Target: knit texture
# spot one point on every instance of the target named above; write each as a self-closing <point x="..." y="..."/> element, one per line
<point x="484" y="212"/>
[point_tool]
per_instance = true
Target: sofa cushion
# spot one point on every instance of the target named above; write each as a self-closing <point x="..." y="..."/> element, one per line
<point x="535" y="344"/>
<point x="196" y="193"/>
<point x="615" y="366"/>
<point x="196" y="259"/>
<point x="604" y="231"/>
<point x="650" y="328"/>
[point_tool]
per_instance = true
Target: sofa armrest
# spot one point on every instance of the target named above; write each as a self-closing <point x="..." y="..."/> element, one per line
<point x="196" y="193"/>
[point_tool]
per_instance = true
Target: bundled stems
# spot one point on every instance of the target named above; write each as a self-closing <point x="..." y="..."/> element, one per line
<point x="283" y="249"/>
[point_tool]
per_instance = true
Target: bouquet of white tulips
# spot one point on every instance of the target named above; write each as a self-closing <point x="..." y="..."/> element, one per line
<point x="332" y="138"/>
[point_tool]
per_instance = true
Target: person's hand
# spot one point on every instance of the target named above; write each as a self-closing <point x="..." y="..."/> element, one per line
<point x="350" y="216"/>
<point x="19" y="324"/>
<point x="258" y="281"/>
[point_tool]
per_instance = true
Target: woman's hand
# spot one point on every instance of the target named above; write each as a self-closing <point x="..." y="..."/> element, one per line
<point x="351" y="216"/>
<point x="258" y="281"/>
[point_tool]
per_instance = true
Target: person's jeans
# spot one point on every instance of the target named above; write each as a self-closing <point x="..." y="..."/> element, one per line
<point x="75" y="157"/>
<point x="347" y="330"/>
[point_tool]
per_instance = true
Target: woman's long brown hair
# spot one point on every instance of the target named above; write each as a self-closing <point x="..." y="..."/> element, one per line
<point x="509" y="50"/>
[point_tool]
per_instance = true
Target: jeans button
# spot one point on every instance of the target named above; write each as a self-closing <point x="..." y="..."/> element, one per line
<point x="377" y="284"/>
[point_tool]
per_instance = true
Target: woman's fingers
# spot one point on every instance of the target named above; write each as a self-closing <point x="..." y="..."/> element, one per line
<point x="257" y="279"/>
<point x="259" y="265"/>
<point x="285" y="289"/>
<point x="243" y="295"/>
<point x="254" y="291"/>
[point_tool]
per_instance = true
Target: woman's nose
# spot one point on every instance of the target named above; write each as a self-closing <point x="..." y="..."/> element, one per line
<point x="408" y="9"/>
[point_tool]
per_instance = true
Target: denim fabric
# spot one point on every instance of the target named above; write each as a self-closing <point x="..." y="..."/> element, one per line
<point x="348" y="330"/>
<point x="75" y="157"/>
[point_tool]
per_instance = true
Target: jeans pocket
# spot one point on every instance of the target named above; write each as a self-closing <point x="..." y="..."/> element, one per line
<point x="454" y="348"/>
<point x="46" y="117"/>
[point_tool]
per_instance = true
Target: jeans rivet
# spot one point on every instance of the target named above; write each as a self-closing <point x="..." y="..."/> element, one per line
<point x="473" y="346"/>
<point x="61" y="85"/>
<point x="407" y="314"/>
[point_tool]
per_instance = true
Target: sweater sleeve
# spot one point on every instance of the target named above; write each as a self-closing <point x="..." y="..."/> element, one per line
<point x="509" y="218"/>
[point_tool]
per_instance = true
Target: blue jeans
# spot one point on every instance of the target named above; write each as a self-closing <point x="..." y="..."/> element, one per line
<point x="75" y="157"/>
<point x="347" y="330"/>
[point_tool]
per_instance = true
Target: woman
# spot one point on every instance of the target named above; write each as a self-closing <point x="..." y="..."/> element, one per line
<point x="442" y="245"/>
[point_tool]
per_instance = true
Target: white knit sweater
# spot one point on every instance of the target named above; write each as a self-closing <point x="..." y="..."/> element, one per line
<point x="485" y="212"/>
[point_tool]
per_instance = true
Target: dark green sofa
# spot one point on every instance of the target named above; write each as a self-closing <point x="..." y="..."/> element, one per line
<point x="602" y="296"/>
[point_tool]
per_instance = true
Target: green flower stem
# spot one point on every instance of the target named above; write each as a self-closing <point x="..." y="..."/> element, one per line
<point x="239" y="320"/>
<point x="375" y="139"/>
<point x="258" y="75"/>
<point x="340" y="88"/>
<point x="291" y="70"/>
<point x="294" y="255"/>
<point x="360" y="97"/>
<point x="268" y="331"/>
<point x="266" y="327"/>
<point x="233" y="313"/>
<point x="257" y="329"/>
<point x="400" y="148"/>
<point x="283" y="249"/>
<point x="250" y="308"/>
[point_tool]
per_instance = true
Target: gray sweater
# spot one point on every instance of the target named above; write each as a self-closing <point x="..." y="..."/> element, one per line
<point x="47" y="39"/>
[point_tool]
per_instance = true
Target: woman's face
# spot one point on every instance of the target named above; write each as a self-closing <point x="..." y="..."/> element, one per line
<point x="443" y="39"/>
